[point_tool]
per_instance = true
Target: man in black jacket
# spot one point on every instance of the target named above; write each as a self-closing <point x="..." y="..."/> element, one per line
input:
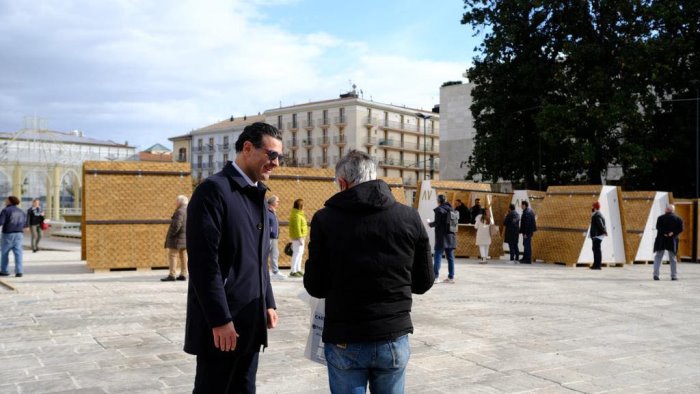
<point x="597" y="232"/>
<point x="445" y="240"/>
<point x="668" y="227"/>
<point x="528" y="226"/>
<point x="367" y="254"/>
<point x="13" y="220"/>
<point x="230" y="305"/>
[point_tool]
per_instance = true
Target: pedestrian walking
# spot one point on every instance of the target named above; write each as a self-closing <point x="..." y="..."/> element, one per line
<point x="483" y="236"/>
<point x="272" y="203"/>
<point x="35" y="217"/>
<point x="298" y="230"/>
<point x="668" y="227"/>
<point x="511" y="223"/>
<point x="445" y="240"/>
<point x="13" y="220"/>
<point x="597" y="232"/>
<point x="176" y="241"/>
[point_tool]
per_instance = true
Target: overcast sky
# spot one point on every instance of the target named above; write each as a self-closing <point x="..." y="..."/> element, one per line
<point x="145" y="70"/>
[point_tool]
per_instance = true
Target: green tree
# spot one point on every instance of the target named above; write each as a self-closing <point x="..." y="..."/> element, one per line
<point x="568" y="88"/>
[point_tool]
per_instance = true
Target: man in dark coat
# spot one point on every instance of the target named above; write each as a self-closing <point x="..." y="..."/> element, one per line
<point x="445" y="240"/>
<point x="176" y="241"/>
<point x="465" y="217"/>
<point x="511" y="223"/>
<point x="476" y="210"/>
<point x="230" y="304"/>
<point x="668" y="227"/>
<point x="367" y="254"/>
<point x="528" y="226"/>
<point x="597" y="232"/>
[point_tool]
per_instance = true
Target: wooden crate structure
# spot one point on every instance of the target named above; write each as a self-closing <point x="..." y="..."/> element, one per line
<point x="641" y="209"/>
<point x="563" y="221"/>
<point x="686" y="209"/>
<point x="314" y="186"/>
<point x="127" y="207"/>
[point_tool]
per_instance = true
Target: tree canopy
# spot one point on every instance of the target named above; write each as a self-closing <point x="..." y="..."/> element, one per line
<point x="566" y="89"/>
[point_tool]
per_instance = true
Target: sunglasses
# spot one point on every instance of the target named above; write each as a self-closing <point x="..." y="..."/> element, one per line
<point x="272" y="155"/>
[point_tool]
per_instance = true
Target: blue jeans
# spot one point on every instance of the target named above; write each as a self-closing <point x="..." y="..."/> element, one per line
<point x="527" y="249"/>
<point x="437" y="260"/>
<point x="12" y="242"/>
<point x="381" y="363"/>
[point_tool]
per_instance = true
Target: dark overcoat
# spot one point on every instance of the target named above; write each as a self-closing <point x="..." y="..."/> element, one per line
<point x="512" y="226"/>
<point x="528" y="224"/>
<point x="176" y="237"/>
<point x="444" y="239"/>
<point x="665" y="224"/>
<point x="228" y="242"/>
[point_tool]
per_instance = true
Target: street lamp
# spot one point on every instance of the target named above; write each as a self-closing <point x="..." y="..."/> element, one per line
<point x="425" y="146"/>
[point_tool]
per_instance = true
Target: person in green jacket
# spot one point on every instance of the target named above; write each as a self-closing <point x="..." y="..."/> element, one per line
<point x="298" y="230"/>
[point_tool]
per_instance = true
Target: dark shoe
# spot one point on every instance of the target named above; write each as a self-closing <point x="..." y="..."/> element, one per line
<point x="656" y="278"/>
<point x="674" y="278"/>
<point x="18" y="275"/>
<point x="594" y="267"/>
<point x="181" y="277"/>
<point x="4" y="274"/>
<point x="168" y="279"/>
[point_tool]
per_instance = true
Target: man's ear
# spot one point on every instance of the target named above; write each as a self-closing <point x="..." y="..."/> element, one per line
<point x="342" y="183"/>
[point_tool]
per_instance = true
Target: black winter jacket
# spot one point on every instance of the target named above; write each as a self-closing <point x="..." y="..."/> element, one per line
<point x="597" y="225"/>
<point x="367" y="254"/>
<point x="444" y="239"/>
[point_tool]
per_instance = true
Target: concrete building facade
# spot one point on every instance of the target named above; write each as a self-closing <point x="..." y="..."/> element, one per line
<point x="456" y="131"/>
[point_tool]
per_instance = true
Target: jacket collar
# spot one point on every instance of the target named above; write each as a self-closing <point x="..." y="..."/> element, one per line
<point x="231" y="172"/>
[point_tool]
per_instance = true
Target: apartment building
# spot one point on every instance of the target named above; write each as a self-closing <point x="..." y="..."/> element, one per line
<point x="403" y="141"/>
<point x="212" y="146"/>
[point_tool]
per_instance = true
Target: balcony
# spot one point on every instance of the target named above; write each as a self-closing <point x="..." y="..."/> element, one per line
<point x="292" y="126"/>
<point x="409" y="182"/>
<point x="370" y="121"/>
<point x="394" y="125"/>
<point x="322" y="162"/>
<point x="324" y="141"/>
<point x="224" y="148"/>
<point x="306" y="162"/>
<point x="340" y="140"/>
<point x="308" y="143"/>
<point x="340" y="120"/>
<point x="308" y="124"/>
<point x="292" y="144"/>
<point x="324" y="122"/>
<point x="387" y="142"/>
<point x="203" y="149"/>
<point x="396" y="162"/>
<point x="370" y="141"/>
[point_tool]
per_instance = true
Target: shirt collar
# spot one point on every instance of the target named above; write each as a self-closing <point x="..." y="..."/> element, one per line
<point x="245" y="177"/>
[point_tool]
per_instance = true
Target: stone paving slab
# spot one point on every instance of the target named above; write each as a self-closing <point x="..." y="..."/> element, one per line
<point x="500" y="329"/>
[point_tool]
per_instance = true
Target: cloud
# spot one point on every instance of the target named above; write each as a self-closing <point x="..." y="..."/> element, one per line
<point x="148" y="70"/>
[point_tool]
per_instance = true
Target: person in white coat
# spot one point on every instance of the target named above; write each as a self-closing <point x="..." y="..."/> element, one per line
<point x="483" y="235"/>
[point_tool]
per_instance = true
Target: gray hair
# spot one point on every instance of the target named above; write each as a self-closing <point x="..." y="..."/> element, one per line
<point x="272" y="200"/>
<point x="356" y="167"/>
<point x="182" y="200"/>
<point x="670" y="208"/>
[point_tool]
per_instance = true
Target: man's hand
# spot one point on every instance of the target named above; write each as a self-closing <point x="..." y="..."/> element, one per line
<point x="225" y="337"/>
<point x="271" y="318"/>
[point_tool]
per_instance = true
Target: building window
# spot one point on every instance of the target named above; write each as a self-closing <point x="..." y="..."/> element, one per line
<point x="225" y="158"/>
<point x="182" y="154"/>
<point x="279" y="122"/>
<point x="199" y="142"/>
<point x="325" y="116"/>
<point x="294" y="121"/>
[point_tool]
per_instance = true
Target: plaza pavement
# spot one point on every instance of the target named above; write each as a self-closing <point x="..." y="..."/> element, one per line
<point x="499" y="329"/>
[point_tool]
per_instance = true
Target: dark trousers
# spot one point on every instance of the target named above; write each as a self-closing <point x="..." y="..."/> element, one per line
<point x="597" y="253"/>
<point x="514" y="252"/>
<point x="527" y="249"/>
<point x="234" y="374"/>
